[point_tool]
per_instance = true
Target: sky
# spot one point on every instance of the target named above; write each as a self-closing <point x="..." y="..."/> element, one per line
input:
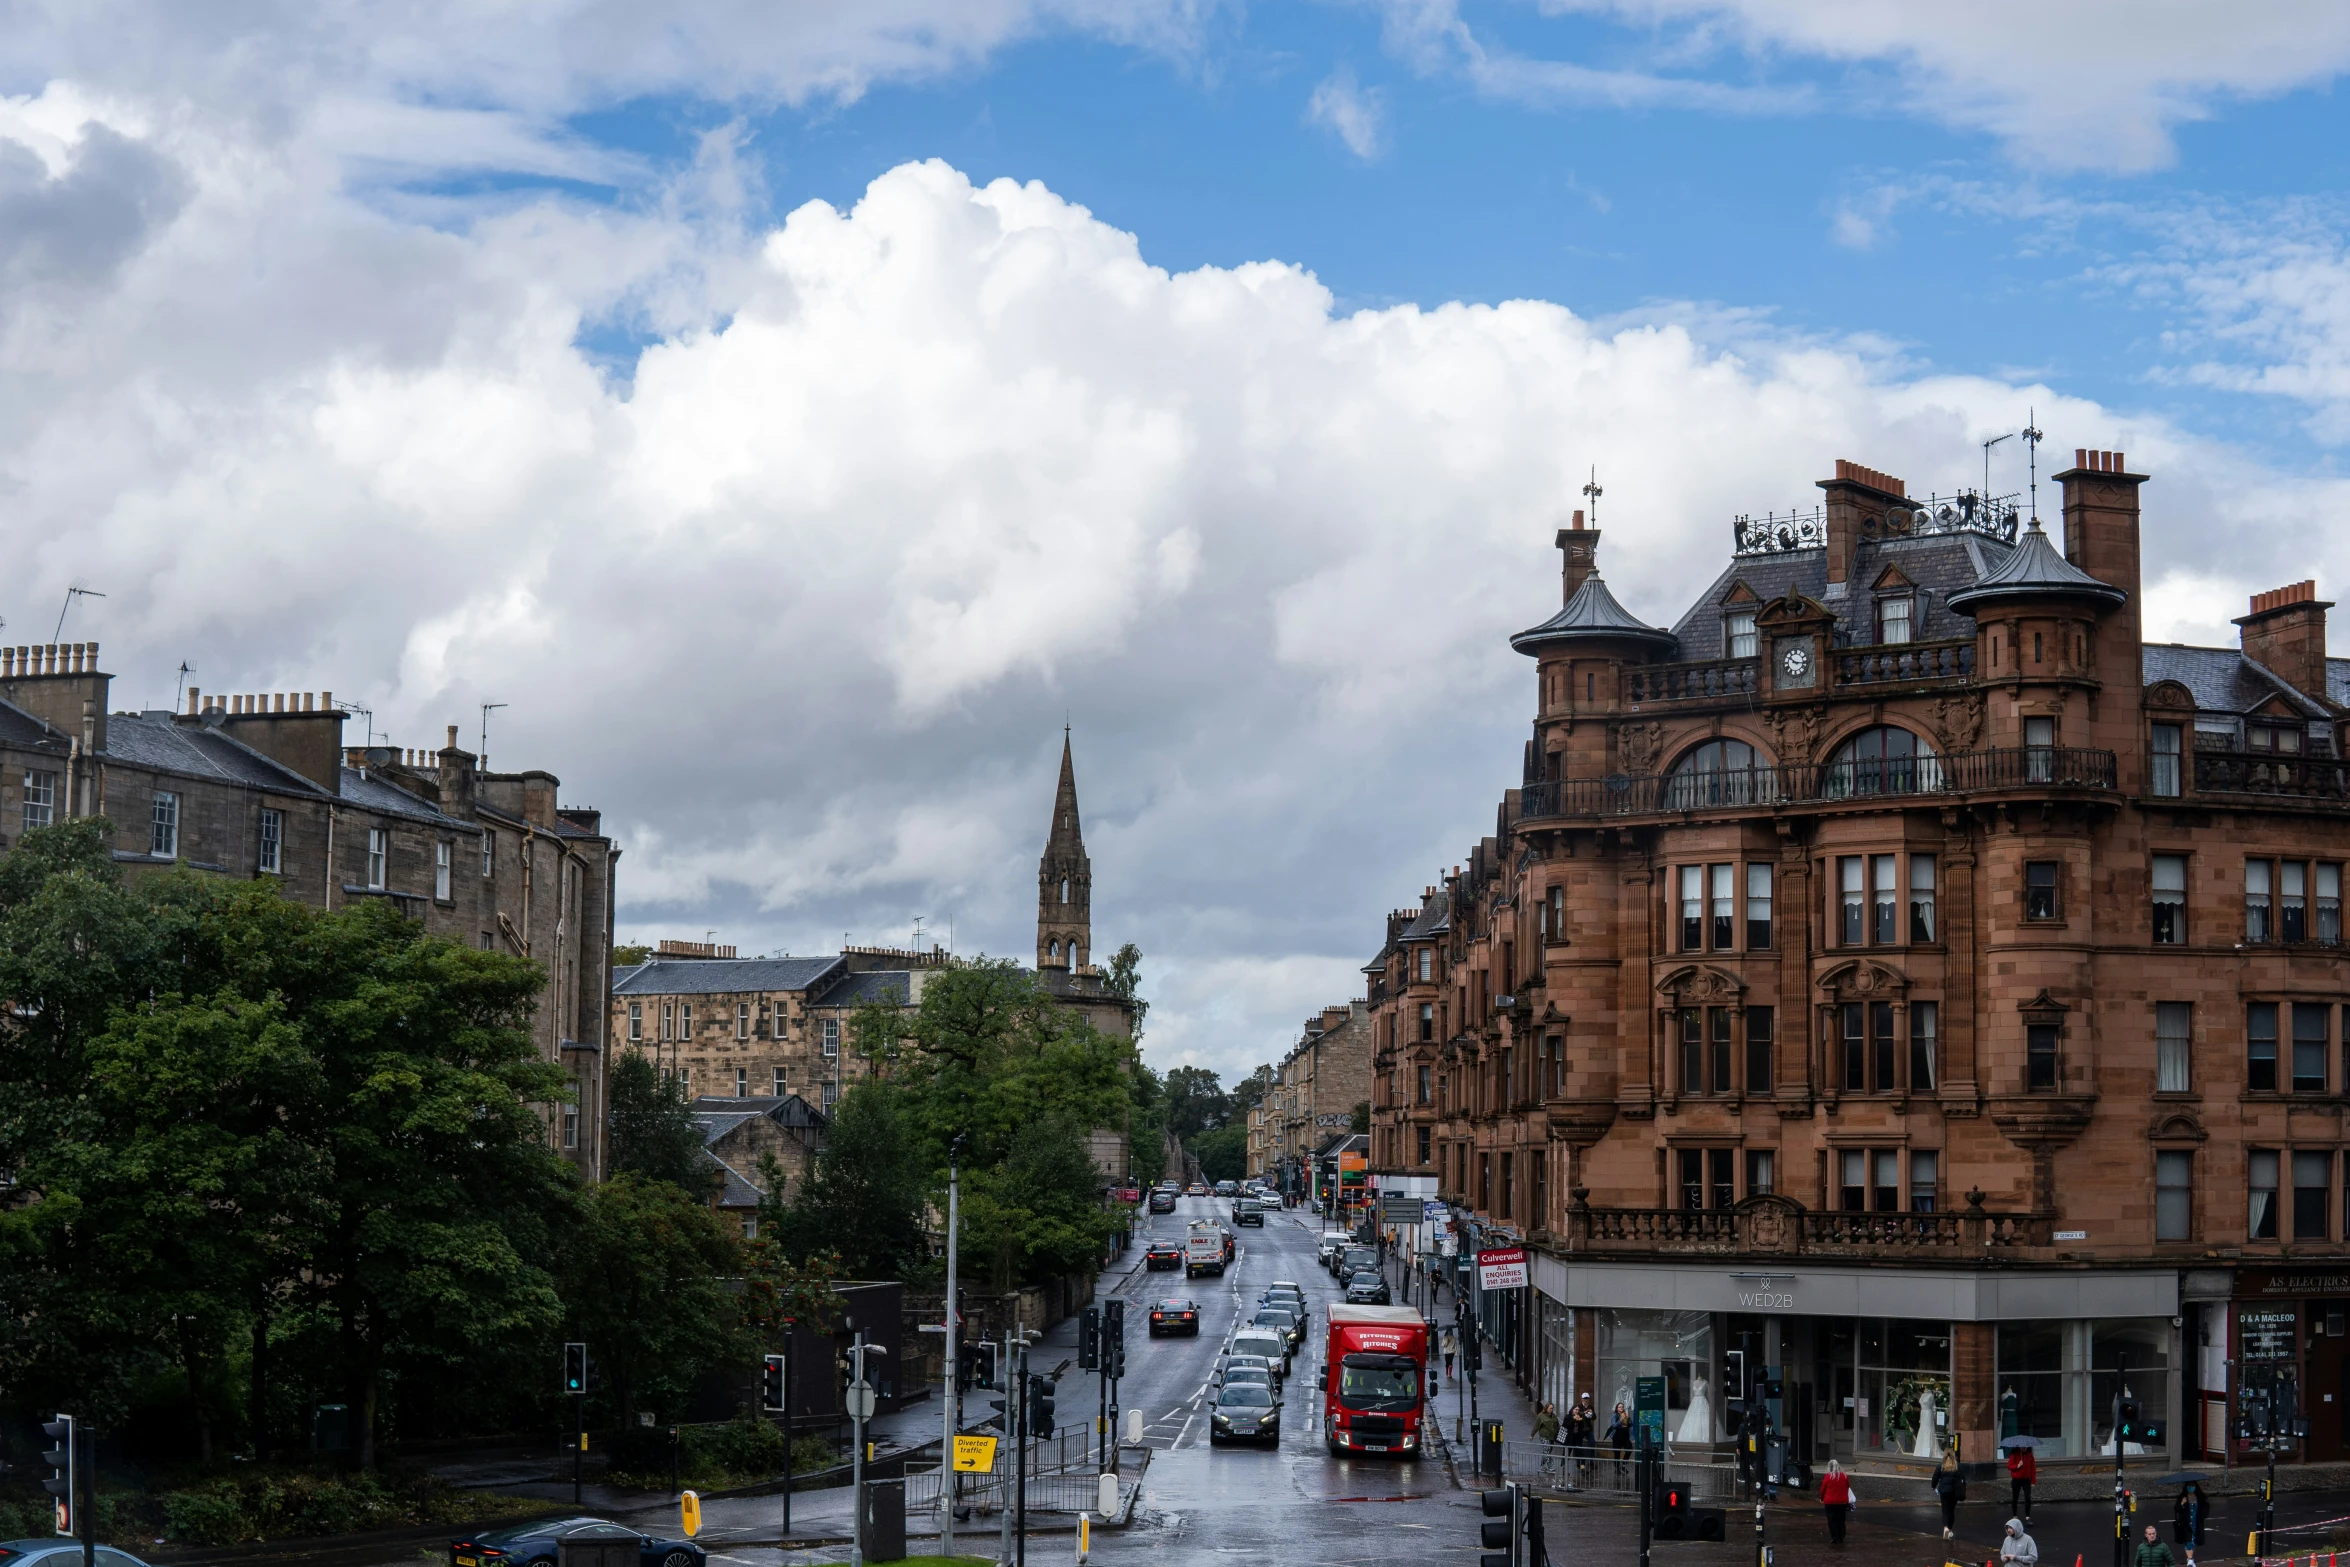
<point x="795" y="415"/>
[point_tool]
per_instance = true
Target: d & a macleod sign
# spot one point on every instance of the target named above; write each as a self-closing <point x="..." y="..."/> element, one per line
<point x="1502" y="1268"/>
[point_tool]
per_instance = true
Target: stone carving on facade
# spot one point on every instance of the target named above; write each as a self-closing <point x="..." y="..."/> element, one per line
<point x="1639" y="746"/>
<point x="1957" y="720"/>
<point x="1795" y="732"/>
<point x="1698" y="984"/>
<point x="1863" y="979"/>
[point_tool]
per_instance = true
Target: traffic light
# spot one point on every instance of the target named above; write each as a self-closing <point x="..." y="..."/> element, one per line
<point x="1089" y="1339"/>
<point x="60" y="1460"/>
<point x="1676" y="1518"/>
<point x="1040" y="1406"/>
<point x="979" y="1365"/>
<point x="575" y="1368"/>
<point x="1113" y="1338"/>
<point x="2132" y="1424"/>
<point x="771" y="1384"/>
<point x="1500" y="1540"/>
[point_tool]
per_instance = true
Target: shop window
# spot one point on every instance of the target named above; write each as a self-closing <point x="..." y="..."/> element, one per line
<point x="1902" y="1403"/>
<point x="1851" y="889"/>
<point x="2313" y="1180"/>
<point x="1924" y="1181"/>
<point x="2260" y="1177"/>
<point x="2309" y="1046"/>
<point x="2256" y="901"/>
<point x="1692" y="908"/>
<point x="2260" y="1046"/>
<point x="1677" y="1347"/>
<point x="1758" y="1050"/>
<point x="1761" y="1171"/>
<point x="2040" y="1057"/>
<point x="2174" y="1030"/>
<point x="1721" y="896"/>
<point x="1885" y="899"/>
<point x="2170" y="899"/>
<point x="2031" y="1375"/>
<point x="2174" y="1195"/>
<point x="1758" y="908"/>
<point x="2130" y="1355"/>
<point x="2164" y="778"/>
<point x="1922" y="924"/>
<point x="2040" y="901"/>
<point x="1925" y="1021"/>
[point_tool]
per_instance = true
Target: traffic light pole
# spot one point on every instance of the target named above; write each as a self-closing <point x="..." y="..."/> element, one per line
<point x="89" y="1518"/>
<point x="1644" y="1476"/>
<point x="2121" y="1512"/>
<point x="953" y="1360"/>
<point x="857" y="1458"/>
<point x="787" y="1330"/>
<point x="1020" y="1468"/>
<point x="578" y="1442"/>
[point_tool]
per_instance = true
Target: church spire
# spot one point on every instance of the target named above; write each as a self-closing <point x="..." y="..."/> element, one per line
<point x="1064" y="881"/>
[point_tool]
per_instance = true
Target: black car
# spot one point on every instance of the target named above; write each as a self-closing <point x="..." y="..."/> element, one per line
<point x="540" y="1545"/>
<point x="1162" y="1200"/>
<point x="1366" y="1289"/>
<point x="1354" y="1260"/>
<point x="1160" y="1255"/>
<point x="1175" y="1316"/>
<point x="1244" y="1412"/>
<point x="1249" y="1211"/>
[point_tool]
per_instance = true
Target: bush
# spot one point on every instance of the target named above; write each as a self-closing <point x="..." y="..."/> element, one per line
<point x="714" y="1457"/>
<point x="743" y="1447"/>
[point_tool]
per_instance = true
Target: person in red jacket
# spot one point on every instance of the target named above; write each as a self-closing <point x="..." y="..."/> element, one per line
<point x="1836" y="1500"/>
<point x="2022" y="1470"/>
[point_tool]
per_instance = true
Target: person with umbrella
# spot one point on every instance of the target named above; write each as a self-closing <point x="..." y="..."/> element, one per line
<point x="2022" y="1470"/>
<point x="2187" y="1518"/>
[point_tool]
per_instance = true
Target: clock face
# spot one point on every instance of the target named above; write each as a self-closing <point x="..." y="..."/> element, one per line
<point x="1796" y="660"/>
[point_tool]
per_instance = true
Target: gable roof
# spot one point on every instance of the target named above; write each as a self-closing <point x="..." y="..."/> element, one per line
<point x="889" y="986"/>
<point x="2224" y="680"/>
<point x="157" y="740"/>
<point x="721" y="976"/>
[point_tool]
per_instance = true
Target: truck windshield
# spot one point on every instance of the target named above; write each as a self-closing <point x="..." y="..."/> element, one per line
<point x="1387" y="1382"/>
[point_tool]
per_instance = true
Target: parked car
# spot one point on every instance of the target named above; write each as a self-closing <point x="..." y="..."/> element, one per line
<point x="1175" y="1316"/>
<point x="1330" y="1245"/>
<point x="1244" y="1412"/>
<point x="1367" y="1289"/>
<point x="540" y="1545"/>
<point x="1161" y="1255"/>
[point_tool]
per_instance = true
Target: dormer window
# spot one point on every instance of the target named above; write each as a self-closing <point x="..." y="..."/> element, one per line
<point x="1739" y="634"/>
<point x="2284" y="739"/>
<point x="1893" y="619"/>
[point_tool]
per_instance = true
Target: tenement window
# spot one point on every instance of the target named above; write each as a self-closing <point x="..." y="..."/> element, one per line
<point x="163" y="840"/>
<point x="2040" y="1056"/>
<point x="2309" y="1046"/>
<point x="636" y="1020"/>
<point x="1705" y="1050"/>
<point x="1692" y="908"/>
<point x="2260" y="1046"/>
<point x="2260" y="1172"/>
<point x="2257" y="878"/>
<point x="1758" y="908"/>
<point x="1761" y="1171"/>
<point x="1420" y="1085"/>
<point x="1868" y="1178"/>
<point x="270" y="837"/>
<point x="1741" y="634"/>
<point x="378" y="851"/>
<point x="489" y="854"/>
<point x="1427" y="1020"/>
<point x="442" y="853"/>
<point x="1425" y="1138"/>
<point x="40" y="800"/>
<point x="1721" y="882"/>
<point x="2174" y="1045"/>
<point x="2174" y="1196"/>
<point x="2039" y="750"/>
<point x="1893" y="620"/>
<point x="1852" y="893"/>
<point x="1925" y="1171"/>
<point x="742" y="1020"/>
<point x="1707" y="1177"/>
<point x="1758" y="1050"/>
<point x="1868" y="1046"/>
<point x="2313" y="1180"/>
<point x="2040" y="902"/>
<point x="832" y="1036"/>
<point x="1885" y="899"/>
<point x="1925" y="1023"/>
<point x="742" y="1082"/>
<point x="2170" y="899"/>
<point x="1922" y="923"/>
<point x="2163" y="780"/>
<point x="1427" y="965"/>
<point x="571" y="1126"/>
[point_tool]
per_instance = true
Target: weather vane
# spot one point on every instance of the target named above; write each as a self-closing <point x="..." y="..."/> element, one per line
<point x="1592" y="492"/>
<point x="2032" y="439"/>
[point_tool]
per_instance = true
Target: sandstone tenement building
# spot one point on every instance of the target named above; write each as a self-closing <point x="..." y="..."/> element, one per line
<point x="261" y="786"/>
<point x="1316" y="1088"/>
<point x="1900" y="975"/>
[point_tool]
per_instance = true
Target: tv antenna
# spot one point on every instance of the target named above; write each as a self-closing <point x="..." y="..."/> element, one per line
<point x="1987" y="445"/>
<point x="1592" y="493"/>
<point x="367" y="713"/>
<point x="487" y="708"/>
<point x="181" y="695"/>
<point x="2032" y="439"/>
<point x="70" y="595"/>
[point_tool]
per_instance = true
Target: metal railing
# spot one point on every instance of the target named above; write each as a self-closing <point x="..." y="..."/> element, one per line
<point x="1747" y="788"/>
<point x="1603" y="1471"/>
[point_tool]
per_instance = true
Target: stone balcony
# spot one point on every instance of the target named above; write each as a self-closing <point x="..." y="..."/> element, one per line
<point x="2322" y="781"/>
<point x="1772" y="1226"/>
<point x="2009" y="770"/>
<point x="1879" y="669"/>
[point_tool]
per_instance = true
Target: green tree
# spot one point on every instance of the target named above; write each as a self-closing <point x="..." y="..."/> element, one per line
<point x="1222" y="1154"/>
<point x="629" y="956"/>
<point x="1196" y="1102"/>
<point x="1250" y="1091"/>
<point x="862" y="1201"/>
<point x="1125" y="982"/>
<point x="643" y="1283"/>
<point x="651" y="1126"/>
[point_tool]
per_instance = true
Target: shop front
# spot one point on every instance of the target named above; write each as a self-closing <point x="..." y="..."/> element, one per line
<point x="2281" y="1333"/>
<point x="1882" y="1363"/>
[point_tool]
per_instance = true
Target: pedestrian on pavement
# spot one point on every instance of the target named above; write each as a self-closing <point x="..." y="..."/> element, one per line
<point x="2022" y="1470"/>
<point x="1546" y="1424"/>
<point x="2019" y="1549"/>
<point x="2153" y="1552"/>
<point x="1581" y="1418"/>
<point x="1619" y="1442"/>
<point x="1452" y="1347"/>
<point x="1949" y="1489"/>
<point x="2187" y="1519"/>
<point x="1836" y="1500"/>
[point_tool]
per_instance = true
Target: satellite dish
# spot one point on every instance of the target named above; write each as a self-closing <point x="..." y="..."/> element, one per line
<point x="380" y="756"/>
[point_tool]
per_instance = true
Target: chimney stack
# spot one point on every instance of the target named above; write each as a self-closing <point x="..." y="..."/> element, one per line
<point x="2100" y="499"/>
<point x="1578" y="548"/>
<point x="1856" y="501"/>
<point x="2286" y="631"/>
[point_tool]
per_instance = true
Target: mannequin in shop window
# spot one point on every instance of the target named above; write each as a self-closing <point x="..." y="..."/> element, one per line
<point x="1698" y="1424"/>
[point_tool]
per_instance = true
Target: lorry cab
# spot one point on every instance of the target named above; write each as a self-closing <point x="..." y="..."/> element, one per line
<point x="1374" y="1380"/>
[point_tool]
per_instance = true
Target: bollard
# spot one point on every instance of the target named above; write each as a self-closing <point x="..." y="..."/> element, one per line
<point x="1106" y="1497"/>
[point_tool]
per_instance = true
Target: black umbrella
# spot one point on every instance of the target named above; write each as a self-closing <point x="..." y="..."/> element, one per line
<point x="2019" y="1440"/>
<point x="2187" y="1477"/>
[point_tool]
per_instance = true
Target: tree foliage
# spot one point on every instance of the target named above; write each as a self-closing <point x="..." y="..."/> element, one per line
<point x="650" y="1124"/>
<point x="861" y="1203"/>
<point x="644" y="1281"/>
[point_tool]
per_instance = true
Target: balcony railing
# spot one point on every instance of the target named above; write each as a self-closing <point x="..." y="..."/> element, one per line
<point x="1751" y="788"/>
<point x="1710" y="680"/>
<point x="2323" y="778"/>
<point x="1906" y="663"/>
<point x="1780" y="1226"/>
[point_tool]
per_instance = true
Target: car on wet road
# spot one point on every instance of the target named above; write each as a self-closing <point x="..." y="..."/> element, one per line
<point x="1284" y="1320"/>
<point x="1174" y="1316"/>
<point x="1244" y="1412"/>
<point x="1367" y="1289"/>
<point x="1159" y="1256"/>
<point x="540" y="1544"/>
<point x="1270" y="1365"/>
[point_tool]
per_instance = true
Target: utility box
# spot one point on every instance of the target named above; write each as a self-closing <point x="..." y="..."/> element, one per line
<point x="885" y="1521"/>
<point x="601" y="1545"/>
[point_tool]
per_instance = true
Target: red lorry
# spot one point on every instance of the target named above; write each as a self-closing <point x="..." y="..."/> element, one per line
<point x="1374" y="1380"/>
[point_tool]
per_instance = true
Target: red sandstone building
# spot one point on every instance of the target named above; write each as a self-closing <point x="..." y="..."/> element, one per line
<point x="1901" y="973"/>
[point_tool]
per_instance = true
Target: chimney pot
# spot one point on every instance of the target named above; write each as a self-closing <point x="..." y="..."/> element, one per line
<point x="1578" y="522"/>
<point x="2120" y="463"/>
<point x="193" y="695"/>
<point x="452" y="737"/>
<point x="2080" y="456"/>
<point x="326" y="699"/>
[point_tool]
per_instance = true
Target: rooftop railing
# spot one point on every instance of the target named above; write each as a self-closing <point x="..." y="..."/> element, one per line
<point x="2318" y="778"/>
<point x="1778" y="1227"/>
<point x="1828" y="783"/>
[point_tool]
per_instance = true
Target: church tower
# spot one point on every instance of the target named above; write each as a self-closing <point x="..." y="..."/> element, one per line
<point x="1064" y="883"/>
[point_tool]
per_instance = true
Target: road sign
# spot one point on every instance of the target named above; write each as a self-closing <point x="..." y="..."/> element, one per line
<point x="975" y="1455"/>
<point x="1434" y="1212"/>
<point x="1400" y="1208"/>
<point x="1501" y="1268"/>
<point x="860" y="1401"/>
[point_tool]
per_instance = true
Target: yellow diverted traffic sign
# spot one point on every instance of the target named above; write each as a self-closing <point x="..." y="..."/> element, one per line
<point x="689" y="1514"/>
<point x="974" y="1454"/>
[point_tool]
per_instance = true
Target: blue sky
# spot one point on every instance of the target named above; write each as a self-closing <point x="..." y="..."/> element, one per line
<point x="796" y="414"/>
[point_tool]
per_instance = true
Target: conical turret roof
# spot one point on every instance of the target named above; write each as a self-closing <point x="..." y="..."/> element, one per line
<point x="1591" y="615"/>
<point x="2035" y="570"/>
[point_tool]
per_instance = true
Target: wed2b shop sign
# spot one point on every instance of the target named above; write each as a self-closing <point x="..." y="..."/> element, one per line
<point x="1502" y="1268"/>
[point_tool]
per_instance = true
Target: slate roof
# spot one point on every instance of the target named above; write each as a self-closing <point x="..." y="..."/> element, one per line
<point x="1435" y="918"/>
<point x="153" y="739"/>
<point x="374" y="793"/>
<point x="788" y="1111"/>
<point x="1937" y="565"/>
<point x="890" y="986"/>
<point x="720" y="976"/>
<point x="22" y="729"/>
<point x="2223" y="680"/>
<point x="2338" y="680"/>
<point x="2035" y="570"/>
<point x="1592" y="613"/>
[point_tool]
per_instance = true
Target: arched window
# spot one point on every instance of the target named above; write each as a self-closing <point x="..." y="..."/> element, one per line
<point x="1883" y="760"/>
<point x="1719" y="772"/>
<point x="1052" y="949"/>
<point x="1064" y="889"/>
